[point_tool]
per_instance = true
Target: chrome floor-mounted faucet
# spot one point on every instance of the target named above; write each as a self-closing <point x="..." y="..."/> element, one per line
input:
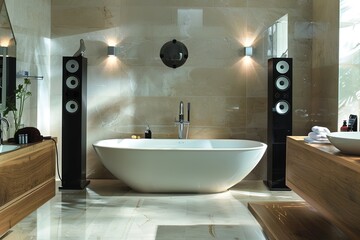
<point x="181" y="123"/>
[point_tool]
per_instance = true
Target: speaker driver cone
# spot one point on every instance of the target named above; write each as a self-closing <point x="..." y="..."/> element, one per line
<point x="72" y="66"/>
<point x="282" y="67"/>
<point x="72" y="106"/>
<point x="72" y="82"/>
<point x="282" y="107"/>
<point x="282" y="83"/>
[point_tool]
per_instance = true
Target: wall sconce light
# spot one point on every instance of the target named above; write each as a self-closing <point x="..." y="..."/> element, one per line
<point x="248" y="51"/>
<point x="111" y="51"/>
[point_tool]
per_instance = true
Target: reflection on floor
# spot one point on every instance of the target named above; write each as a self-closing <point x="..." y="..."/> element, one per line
<point x="108" y="210"/>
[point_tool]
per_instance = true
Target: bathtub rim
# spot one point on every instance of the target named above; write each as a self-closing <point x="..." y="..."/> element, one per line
<point x="261" y="145"/>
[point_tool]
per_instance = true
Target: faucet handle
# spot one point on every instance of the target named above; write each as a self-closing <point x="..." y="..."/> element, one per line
<point x="188" y="111"/>
<point x="181" y="111"/>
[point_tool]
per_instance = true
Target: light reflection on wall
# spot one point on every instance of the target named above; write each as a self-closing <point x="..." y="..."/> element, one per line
<point x="349" y="57"/>
<point x="43" y="100"/>
<point x="4" y="42"/>
<point x="112" y="63"/>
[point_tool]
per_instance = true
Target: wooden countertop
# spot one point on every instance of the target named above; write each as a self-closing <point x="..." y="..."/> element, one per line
<point x="329" y="150"/>
<point x="24" y="149"/>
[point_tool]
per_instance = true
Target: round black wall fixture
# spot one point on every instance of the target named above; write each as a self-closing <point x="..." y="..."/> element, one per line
<point x="173" y="53"/>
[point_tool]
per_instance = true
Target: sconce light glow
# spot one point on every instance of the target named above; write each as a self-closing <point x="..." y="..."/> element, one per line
<point x="111" y="51"/>
<point x="4" y="42"/>
<point x="248" y="51"/>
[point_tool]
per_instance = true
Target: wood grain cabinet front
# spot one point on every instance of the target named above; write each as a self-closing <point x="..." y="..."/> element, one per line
<point x="27" y="180"/>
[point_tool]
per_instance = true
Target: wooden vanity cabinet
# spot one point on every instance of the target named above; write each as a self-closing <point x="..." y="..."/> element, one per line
<point x="328" y="180"/>
<point x="27" y="180"/>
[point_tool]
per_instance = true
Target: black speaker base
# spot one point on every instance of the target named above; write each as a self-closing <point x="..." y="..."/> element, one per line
<point x="78" y="185"/>
<point x="276" y="186"/>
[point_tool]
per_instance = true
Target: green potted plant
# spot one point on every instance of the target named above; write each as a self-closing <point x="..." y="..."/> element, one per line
<point x="21" y="94"/>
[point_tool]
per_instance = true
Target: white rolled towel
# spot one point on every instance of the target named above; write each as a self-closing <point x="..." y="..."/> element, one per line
<point x="318" y="136"/>
<point x="320" y="130"/>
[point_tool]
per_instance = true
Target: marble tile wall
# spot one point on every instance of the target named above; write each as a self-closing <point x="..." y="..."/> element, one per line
<point x="325" y="67"/>
<point x="228" y="92"/>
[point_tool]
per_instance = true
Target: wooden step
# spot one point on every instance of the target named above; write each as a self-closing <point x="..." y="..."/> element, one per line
<point x="293" y="220"/>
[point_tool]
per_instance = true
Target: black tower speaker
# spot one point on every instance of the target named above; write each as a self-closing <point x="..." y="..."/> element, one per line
<point x="74" y="123"/>
<point x="279" y="120"/>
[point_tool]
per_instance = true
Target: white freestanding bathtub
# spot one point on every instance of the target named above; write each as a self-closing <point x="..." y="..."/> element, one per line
<point x="175" y="165"/>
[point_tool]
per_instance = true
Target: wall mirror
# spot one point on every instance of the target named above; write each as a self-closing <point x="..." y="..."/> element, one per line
<point x="7" y="58"/>
<point x="277" y="38"/>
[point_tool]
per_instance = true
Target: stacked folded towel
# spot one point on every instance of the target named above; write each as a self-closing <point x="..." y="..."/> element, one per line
<point x="318" y="135"/>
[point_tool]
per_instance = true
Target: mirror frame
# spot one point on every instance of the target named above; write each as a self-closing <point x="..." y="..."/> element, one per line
<point x="6" y="87"/>
<point x="3" y="52"/>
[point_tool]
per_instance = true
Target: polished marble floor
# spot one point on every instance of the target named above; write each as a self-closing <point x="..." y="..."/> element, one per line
<point x="109" y="210"/>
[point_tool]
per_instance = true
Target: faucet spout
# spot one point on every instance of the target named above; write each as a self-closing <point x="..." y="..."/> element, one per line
<point x="182" y="123"/>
